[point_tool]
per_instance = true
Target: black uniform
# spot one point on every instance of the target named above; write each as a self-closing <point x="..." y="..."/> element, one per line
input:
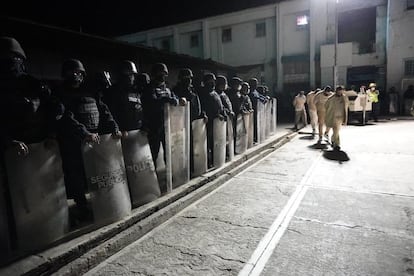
<point x="125" y="106"/>
<point x="211" y="104"/>
<point x="27" y="111"/>
<point x="255" y="96"/>
<point x="153" y="100"/>
<point x="84" y="114"/>
<point x="236" y="100"/>
<point x="182" y="91"/>
<point x="228" y="108"/>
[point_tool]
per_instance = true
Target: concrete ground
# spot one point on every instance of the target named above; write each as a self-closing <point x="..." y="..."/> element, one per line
<point x="295" y="213"/>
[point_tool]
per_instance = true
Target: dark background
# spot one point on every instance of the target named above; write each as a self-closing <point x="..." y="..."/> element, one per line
<point x="113" y="18"/>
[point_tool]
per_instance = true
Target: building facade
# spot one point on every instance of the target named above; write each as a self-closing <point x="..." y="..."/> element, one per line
<point x="290" y="45"/>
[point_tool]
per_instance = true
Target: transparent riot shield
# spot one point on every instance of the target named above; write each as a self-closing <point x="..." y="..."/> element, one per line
<point x="261" y="120"/>
<point x="177" y="144"/>
<point x="140" y="169"/>
<point x="268" y="114"/>
<point x="273" y="116"/>
<point x="230" y="139"/>
<point x="38" y="195"/>
<point x="250" y="131"/>
<point x="106" y="178"/>
<point x="241" y="133"/>
<point x="5" y="243"/>
<point x="219" y="140"/>
<point x="199" y="129"/>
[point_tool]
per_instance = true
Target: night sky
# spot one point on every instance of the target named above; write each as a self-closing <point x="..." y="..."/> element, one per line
<point x="121" y="17"/>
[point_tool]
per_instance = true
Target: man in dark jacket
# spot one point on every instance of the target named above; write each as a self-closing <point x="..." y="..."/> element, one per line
<point x="85" y="117"/>
<point x="211" y="104"/>
<point x="255" y="97"/>
<point x="123" y="99"/>
<point x="221" y="87"/>
<point x="153" y="99"/>
<point x="28" y="113"/>
<point x="234" y="94"/>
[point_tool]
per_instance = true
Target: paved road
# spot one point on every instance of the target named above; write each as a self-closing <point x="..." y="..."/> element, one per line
<point x="296" y="213"/>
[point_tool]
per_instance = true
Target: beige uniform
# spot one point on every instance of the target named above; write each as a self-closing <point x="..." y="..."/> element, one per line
<point x="336" y="115"/>
<point x="300" y="112"/>
<point x="312" y="109"/>
<point x="319" y="100"/>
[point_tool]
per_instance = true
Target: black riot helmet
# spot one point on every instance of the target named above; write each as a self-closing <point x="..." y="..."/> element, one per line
<point x="71" y="65"/>
<point x="185" y="73"/>
<point x="159" y="67"/>
<point x="221" y="83"/>
<point x="209" y="81"/>
<point x="128" y="67"/>
<point x="9" y="45"/>
<point x="253" y="82"/>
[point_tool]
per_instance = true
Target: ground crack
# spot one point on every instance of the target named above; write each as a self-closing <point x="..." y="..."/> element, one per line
<point x="226" y="222"/>
<point x="348" y="226"/>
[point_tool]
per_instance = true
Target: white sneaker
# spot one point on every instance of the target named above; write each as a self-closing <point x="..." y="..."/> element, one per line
<point x="326" y="135"/>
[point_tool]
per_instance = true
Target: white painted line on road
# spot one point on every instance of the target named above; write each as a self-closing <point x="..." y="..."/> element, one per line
<point x="267" y="245"/>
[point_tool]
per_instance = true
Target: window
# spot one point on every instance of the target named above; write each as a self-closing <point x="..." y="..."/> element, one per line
<point x="409" y="67"/>
<point x="194" y="41"/>
<point x="302" y="21"/>
<point x="165" y="44"/>
<point x="260" y="29"/>
<point x="226" y="35"/>
<point x="410" y="4"/>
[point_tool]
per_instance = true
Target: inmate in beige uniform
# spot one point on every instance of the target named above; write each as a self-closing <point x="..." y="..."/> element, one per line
<point x="300" y="112"/>
<point x="312" y="110"/>
<point x="336" y="116"/>
<point x="319" y="101"/>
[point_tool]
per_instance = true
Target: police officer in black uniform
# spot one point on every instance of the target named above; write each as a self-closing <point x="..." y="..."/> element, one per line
<point x="123" y="99"/>
<point x="153" y="99"/>
<point x="255" y="96"/>
<point x="221" y="87"/>
<point x="247" y="106"/>
<point x="28" y="113"/>
<point x="85" y="117"/>
<point x="234" y="95"/>
<point x="211" y="104"/>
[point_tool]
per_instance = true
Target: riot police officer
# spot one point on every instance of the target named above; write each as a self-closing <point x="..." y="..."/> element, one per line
<point x="234" y="94"/>
<point x="185" y="89"/>
<point x="221" y="87"/>
<point x="211" y="104"/>
<point x="247" y="106"/>
<point x="85" y="117"/>
<point x="123" y="98"/>
<point x="154" y="97"/>
<point x="28" y="113"/>
<point x="255" y="96"/>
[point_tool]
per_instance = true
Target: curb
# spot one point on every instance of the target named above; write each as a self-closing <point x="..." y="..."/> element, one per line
<point x="83" y="253"/>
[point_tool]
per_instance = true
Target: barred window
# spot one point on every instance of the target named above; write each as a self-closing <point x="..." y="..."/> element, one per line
<point x="409" y="67"/>
<point x="194" y="40"/>
<point x="260" y="29"/>
<point x="226" y="35"/>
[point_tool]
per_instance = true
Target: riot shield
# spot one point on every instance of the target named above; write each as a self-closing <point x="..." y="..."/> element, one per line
<point x="260" y="122"/>
<point x="141" y="175"/>
<point x="268" y="114"/>
<point x="5" y="245"/>
<point x="219" y="140"/>
<point x="273" y="116"/>
<point x="230" y="139"/>
<point x="250" y="131"/>
<point x="38" y="195"/>
<point x="106" y="178"/>
<point x="177" y="144"/>
<point x="199" y="130"/>
<point x="241" y="133"/>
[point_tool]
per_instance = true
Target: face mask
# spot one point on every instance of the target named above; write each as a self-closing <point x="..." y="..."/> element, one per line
<point x="12" y="67"/>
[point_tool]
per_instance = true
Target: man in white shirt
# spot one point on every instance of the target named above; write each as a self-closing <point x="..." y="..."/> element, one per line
<point x="313" y="115"/>
<point x="300" y="112"/>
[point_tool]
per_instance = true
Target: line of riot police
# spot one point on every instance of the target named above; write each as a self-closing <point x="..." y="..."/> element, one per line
<point x="108" y="138"/>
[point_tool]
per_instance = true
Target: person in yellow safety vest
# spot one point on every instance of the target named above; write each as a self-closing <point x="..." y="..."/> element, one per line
<point x="319" y="101"/>
<point x="336" y="114"/>
<point x="312" y="109"/>
<point x="300" y="111"/>
<point x="373" y="97"/>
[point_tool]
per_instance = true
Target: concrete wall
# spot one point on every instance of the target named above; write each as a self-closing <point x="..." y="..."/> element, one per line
<point x="393" y="44"/>
<point x="400" y="45"/>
